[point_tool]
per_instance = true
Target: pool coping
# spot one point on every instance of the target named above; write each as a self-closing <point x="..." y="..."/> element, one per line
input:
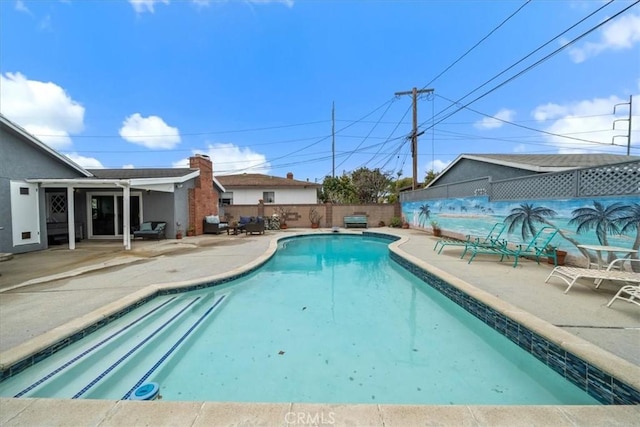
<point x="591" y="353"/>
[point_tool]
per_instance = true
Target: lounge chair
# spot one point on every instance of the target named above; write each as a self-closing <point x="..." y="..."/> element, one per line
<point x="536" y="248"/>
<point x="571" y="274"/>
<point x="632" y="290"/>
<point x="492" y="236"/>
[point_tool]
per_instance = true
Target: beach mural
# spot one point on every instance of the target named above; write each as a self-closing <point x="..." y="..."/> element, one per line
<point x="612" y="221"/>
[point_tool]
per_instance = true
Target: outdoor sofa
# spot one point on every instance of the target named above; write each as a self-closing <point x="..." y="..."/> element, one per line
<point x="151" y="230"/>
<point x="211" y="224"/>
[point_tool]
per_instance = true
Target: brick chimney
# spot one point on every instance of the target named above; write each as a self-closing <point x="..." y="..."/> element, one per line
<point x="289" y="175"/>
<point x="203" y="199"/>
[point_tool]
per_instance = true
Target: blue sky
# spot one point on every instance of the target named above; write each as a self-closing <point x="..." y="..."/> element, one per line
<point x="148" y="83"/>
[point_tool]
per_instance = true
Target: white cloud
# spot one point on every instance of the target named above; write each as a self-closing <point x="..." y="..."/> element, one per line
<point x="43" y="109"/>
<point x="288" y="3"/>
<point x="141" y="6"/>
<point x="151" y="132"/>
<point x="21" y="7"/>
<point x="620" y="34"/>
<point x="85" y="162"/>
<point x="492" y="122"/>
<point x="590" y="120"/>
<point x="436" y="166"/>
<point x="129" y="166"/>
<point x="230" y="159"/>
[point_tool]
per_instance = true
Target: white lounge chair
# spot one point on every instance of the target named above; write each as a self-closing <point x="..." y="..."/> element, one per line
<point x="633" y="293"/>
<point x="571" y="274"/>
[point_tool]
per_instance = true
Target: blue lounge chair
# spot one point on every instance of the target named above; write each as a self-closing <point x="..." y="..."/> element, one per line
<point x="492" y="236"/>
<point x="537" y="247"/>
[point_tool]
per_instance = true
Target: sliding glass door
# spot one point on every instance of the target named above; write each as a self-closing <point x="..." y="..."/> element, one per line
<point x="106" y="213"/>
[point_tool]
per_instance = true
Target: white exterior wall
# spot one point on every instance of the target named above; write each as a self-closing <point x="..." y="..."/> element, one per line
<point x="287" y="196"/>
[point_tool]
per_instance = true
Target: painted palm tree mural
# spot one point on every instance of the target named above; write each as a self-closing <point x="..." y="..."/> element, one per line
<point x="425" y="213"/>
<point x="630" y="221"/>
<point x="527" y="215"/>
<point x="603" y="219"/>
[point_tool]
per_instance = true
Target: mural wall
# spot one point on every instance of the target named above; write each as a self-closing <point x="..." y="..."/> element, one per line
<point x="612" y="221"/>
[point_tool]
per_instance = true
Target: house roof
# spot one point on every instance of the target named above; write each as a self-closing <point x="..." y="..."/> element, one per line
<point x="167" y="174"/>
<point x="253" y="180"/>
<point x="30" y="139"/>
<point x="541" y="163"/>
<point x="141" y="173"/>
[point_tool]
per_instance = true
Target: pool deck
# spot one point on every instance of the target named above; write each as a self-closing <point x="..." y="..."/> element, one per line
<point x="50" y="294"/>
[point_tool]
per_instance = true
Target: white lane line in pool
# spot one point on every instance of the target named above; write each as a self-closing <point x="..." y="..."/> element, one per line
<point x="91" y="349"/>
<point x="173" y="348"/>
<point x="133" y="350"/>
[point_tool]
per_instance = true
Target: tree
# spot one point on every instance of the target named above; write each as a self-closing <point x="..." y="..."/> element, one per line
<point x="338" y="190"/>
<point x="395" y="186"/>
<point x="431" y="175"/>
<point x="371" y="186"/>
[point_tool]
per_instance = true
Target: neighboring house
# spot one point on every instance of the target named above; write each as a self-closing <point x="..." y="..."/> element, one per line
<point x="506" y="166"/>
<point x="45" y="197"/>
<point x="249" y="188"/>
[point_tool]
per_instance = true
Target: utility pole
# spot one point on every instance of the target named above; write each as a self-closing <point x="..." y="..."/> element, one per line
<point x="414" y="134"/>
<point x="333" y="139"/>
<point x="628" y="136"/>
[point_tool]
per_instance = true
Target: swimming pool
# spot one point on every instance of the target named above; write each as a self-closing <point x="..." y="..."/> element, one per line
<point x="328" y="319"/>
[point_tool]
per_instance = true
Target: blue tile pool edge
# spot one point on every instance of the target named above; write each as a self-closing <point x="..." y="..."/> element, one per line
<point x="602" y="386"/>
<point x="596" y="382"/>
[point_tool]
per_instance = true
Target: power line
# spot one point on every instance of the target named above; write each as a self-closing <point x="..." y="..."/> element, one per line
<point x="518" y="62"/>
<point x="478" y="43"/>
<point x="534" y="64"/>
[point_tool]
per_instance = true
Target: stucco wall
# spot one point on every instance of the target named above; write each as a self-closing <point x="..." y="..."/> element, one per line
<point x="20" y="161"/>
<point x="282" y="196"/>
<point x="467" y="169"/>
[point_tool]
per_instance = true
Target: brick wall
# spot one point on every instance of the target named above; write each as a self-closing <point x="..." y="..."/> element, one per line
<point x="203" y="199"/>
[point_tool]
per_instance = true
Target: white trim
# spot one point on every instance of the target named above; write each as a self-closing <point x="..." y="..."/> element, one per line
<point x="115" y="194"/>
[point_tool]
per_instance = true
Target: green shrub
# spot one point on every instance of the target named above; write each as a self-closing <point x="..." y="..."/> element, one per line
<point x="396" y="222"/>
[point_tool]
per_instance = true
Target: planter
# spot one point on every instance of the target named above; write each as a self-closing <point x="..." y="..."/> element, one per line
<point x="179" y="235"/>
<point x="315" y="225"/>
<point x="561" y="257"/>
<point x="283" y="226"/>
<point x="437" y="232"/>
<point x="405" y="225"/>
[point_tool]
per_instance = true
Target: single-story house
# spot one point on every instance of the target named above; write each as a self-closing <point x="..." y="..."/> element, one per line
<point x="249" y="188"/>
<point x="46" y="197"/>
<point x="506" y="166"/>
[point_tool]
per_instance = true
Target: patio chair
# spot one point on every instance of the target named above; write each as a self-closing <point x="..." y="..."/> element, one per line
<point x="536" y="248"/>
<point x="632" y="291"/>
<point x="571" y="274"/>
<point x="492" y="236"/>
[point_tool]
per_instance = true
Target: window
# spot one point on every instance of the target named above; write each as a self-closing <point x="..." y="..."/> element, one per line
<point x="269" y="196"/>
<point x="24" y="191"/>
<point x="226" y="199"/>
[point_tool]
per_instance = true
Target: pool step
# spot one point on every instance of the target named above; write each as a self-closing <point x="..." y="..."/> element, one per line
<point x="122" y="352"/>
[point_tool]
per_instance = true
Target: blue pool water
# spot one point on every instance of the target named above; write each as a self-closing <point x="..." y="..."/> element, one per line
<point x="328" y="319"/>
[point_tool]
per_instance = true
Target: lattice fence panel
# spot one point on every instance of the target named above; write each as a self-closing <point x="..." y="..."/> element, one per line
<point x="479" y="187"/>
<point x="545" y="186"/>
<point x="612" y="180"/>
